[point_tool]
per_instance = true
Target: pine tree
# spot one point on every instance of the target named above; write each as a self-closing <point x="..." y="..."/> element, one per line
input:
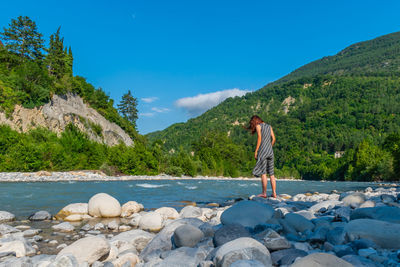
<point x="56" y="57"/>
<point x="127" y="107"/>
<point x="69" y="61"/>
<point x="23" y="38"/>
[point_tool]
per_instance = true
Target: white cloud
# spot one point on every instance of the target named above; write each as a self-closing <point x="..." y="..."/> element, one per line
<point x="149" y="99"/>
<point x="196" y="105"/>
<point x="160" y="110"/>
<point x="146" y="114"/>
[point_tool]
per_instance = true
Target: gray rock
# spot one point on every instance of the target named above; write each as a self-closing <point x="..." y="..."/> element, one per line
<point x="298" y="222"/>
<point x="358" y="261"/>
<point x="7" y="229"/>
<point x="273" y="241"/>
<point x="40" y="216"/>
<point x="343" y="213"/>
<point x="319" y="235"/>
<point x="162" y="241"/>
<point x="247" y="213"/>
<point x="354" y="200"/>
<point x="309" y="215"/>
<point x="31" y="232"/>
<point x="365" y="252"/>
<point x="321" y="260"/>
<point x="228" y="233"/>
<point x="362" y="243"/>
<point x="388" y="214"/>
<point x="247" y="263"/>
<point x="206" y="264"/>
<point x="187" y="236"/>
<point x="183" y="257"/>
<point x="287" y="256"/>
<point x="336" y="236"/>
<point x="6" y="216"/>
<point x="387" y="198"/>
<point x="87" y="227"/>
<point x="287" y="228"/>
<point x="343" y="250"/>
<point x="67" y="260"/>
<point x="190" y="212"/>
<point x="384" y="234"/>
<point x="243" y="248"/>
<point x="327" y="204"/>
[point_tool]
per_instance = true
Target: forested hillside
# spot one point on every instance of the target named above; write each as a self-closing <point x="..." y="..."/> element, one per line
<point x="345" y="103"/>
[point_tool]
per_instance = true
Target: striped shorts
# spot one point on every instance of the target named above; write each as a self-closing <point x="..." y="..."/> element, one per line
<point x="264" y="166"/>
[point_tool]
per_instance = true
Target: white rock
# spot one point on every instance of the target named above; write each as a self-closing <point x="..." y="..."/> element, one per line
<point x="63" y="227"/>
<point x="131" y="258"/>
<point x="88" y="249"/>
<point x="7" y="229"/>
<point x="113" y="225"/>
<point x="244" y="248"/>
<point x="71" y="209"/>
<point x="104" y="205"/>
<point x="168" y="213"/>
<point x="327" y="204"/>
<point x="151" y="221"/>
<point x="20" y="248"/>
<point x="130" y="208"/>
<point x="74" y="218"/>
<point x="135" y="220"/>
<point x="124" y="228"/>
<point x="137" y="238"/>
<point x="6" y="216"/>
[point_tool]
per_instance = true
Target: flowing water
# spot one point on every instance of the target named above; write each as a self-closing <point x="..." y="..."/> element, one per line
<point x="22" y="199"/>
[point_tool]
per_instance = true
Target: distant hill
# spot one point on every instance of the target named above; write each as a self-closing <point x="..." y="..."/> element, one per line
<point x="328" y="105"/>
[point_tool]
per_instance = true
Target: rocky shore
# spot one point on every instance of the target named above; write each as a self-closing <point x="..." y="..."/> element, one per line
<point x="313" y="229"/>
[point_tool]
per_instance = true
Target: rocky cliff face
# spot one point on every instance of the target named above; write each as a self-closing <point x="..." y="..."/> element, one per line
<point x="63" y="110"/>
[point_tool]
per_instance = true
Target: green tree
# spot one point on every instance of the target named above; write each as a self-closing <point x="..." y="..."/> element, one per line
<point x="23" y="38"/>
<point x="56" y="56"/>
<point x="127" y="107"/>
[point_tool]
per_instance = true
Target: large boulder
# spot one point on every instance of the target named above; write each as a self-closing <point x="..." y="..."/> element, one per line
<point x="40" y="216"/>
<point x="72" y="209"/>
<point x="187" y="236"/>
<point x="168" y="213"/>
<point x="247" y="213"/>
<point x="6" y="216"/>
<point x="228" y="233"/>
<point x="354" y="200"/>
<point x="162" y="241"/>
<point x="243" y="248"/>
<point x="321" y="260"/>
<point x="383" y="234"/>
<point x="385" y="213"/>
<point x="63" y="261"/>
<point x="130" y="208"/>
<point x="151" y="221"/>
<point x="104" y="205"/>
<point x="298" y="222"/>
<point x="136" y="238"/>
<point x="88" y="249"/>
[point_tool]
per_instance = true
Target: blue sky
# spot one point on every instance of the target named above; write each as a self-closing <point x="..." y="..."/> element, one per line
<point x="181" y="57"/>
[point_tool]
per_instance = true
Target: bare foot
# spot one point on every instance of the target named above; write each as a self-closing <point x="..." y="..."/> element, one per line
<point x="274" y="196"/>
<point x="262" y="195"/>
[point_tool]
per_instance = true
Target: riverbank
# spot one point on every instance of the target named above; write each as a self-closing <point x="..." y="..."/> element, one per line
<point x="339" y="229"/>
<point x="45" y="176"/>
